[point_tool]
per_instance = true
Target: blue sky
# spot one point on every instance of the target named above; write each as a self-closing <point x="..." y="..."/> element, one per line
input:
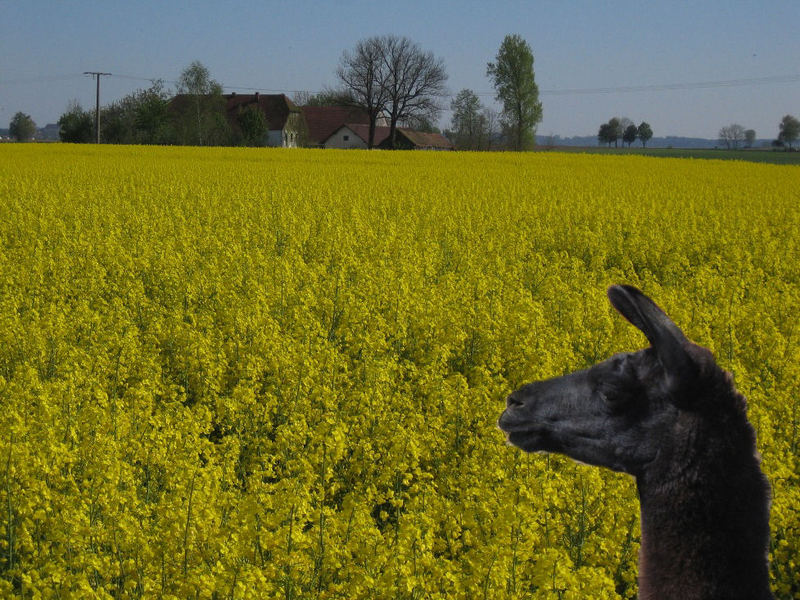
<point x="296" y="45"/>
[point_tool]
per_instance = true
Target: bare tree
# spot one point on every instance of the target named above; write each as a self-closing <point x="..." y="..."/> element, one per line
<point x="415" y="80"/>
<point x="362" y="73"/>
<point x="491" y="120"/>
<point x="325" y="97"/>
<point x="392" y="74"/>
<point x="732" y="135"/>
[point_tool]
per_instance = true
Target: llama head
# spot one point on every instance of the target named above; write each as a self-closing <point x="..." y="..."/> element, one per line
<point x="626" y="411"/>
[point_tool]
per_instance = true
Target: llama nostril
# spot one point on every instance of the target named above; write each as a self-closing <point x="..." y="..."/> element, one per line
<point x="513" y="400"/>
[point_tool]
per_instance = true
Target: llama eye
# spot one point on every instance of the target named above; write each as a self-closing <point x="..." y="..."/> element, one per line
<point x="615" y="400"/>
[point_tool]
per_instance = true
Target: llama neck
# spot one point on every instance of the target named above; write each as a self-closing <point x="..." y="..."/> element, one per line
<point x="705" y="537"/>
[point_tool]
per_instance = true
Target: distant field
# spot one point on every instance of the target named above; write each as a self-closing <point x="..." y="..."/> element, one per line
<point x="263" y="373"/>
<point x="764" y="156"/>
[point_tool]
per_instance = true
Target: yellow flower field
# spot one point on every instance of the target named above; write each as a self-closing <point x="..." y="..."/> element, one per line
<point x="251" y="373"/>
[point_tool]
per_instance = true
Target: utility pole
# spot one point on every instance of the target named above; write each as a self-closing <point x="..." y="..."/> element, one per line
<point x="97" y="75"/>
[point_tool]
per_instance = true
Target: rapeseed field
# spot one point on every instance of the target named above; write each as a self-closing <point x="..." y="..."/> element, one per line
<point x="251" y="373"/>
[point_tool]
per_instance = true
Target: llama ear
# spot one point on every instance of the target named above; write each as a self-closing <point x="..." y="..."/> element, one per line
<point x="666" y="338"/>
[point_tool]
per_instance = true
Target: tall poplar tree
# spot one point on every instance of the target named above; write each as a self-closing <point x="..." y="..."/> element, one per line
<point x="512" y="77"/>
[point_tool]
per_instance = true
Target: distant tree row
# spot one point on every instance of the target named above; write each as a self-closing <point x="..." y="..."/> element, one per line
<point x="622" y="128"/>
<point x="734" y="135"/>
<point x="387" y="76"/>
<point x="391" y="75"/>
<point x="147" y="116"/>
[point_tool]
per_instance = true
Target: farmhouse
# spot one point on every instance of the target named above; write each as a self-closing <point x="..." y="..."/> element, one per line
<point x="285" y="120"/>
<point x="356" y="135"/>
<point x="323" y="121"/>
<point x="410" y="139"/>
<point x="342" y="127"/>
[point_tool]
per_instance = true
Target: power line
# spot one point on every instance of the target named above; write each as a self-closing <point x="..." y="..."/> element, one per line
<point x="658" y="87"/>
<point x="676" y="86"/>
<point x="40" y="79"/>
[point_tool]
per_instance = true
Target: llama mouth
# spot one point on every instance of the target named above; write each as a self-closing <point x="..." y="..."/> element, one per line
<point x="531" y="440"/>
<point x="509" y="423"/>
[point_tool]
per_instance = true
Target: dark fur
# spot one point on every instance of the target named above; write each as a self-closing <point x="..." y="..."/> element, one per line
<point x="670" y="416"/>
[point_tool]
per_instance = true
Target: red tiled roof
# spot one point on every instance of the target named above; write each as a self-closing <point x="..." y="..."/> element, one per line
<point x="426" y="140"/>
<point x="416" y="139"/>
<point x="362" y="131"/>
<point x="276" y="107"/>
<point x="323" y="121"/>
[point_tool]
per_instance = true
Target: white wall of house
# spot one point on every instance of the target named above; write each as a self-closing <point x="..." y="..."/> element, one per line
<point x="345" y="139"/>
<point x="275" y="138"/>
<point x="289" y="136"/>
<point x="282" y="138"/>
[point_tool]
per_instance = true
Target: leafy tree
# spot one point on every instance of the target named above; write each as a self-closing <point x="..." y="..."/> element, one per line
<point x="749" y="137"/>
<point x="414" y="82"/>
<point x="629" y="135"/>
<point x="141" y="117"/>
<point x="253" y="125"/>
<point x="152" y="115"/>
<point x="732" y="135"/>
<point x="614" y="130"/>
<point x="789" y="130"/>
<point x="22" y="128"/>
<point x="119" y="122"/>
<point x="644" y="132"/>
<point x="609" y="132"/>
<point x="513" y="78"/>
<point x="76" y="126"/>
<point x="201" y="118"/>
<point x="469" y="123"/>
<point x="604" y="134"/>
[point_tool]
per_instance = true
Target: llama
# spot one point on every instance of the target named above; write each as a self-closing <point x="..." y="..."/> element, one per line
<point x="669" y="416"/>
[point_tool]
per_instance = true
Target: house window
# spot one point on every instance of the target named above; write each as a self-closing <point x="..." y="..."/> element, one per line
<point x="346" y="138"/>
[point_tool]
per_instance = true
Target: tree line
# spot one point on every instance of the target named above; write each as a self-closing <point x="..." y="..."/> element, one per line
<point x="393" y="76"/>
<point x="734" y="135"/>
<point x="622" y="128"/>
<point x="193" y="115"/>
<point x="390" y="77"/>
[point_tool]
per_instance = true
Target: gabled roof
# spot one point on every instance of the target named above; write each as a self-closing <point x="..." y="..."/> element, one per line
<point x="362" y="131"/>
<point x="324" y="121"/>
<point x="276" y="107"/>
<point x="420" y="139"/>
